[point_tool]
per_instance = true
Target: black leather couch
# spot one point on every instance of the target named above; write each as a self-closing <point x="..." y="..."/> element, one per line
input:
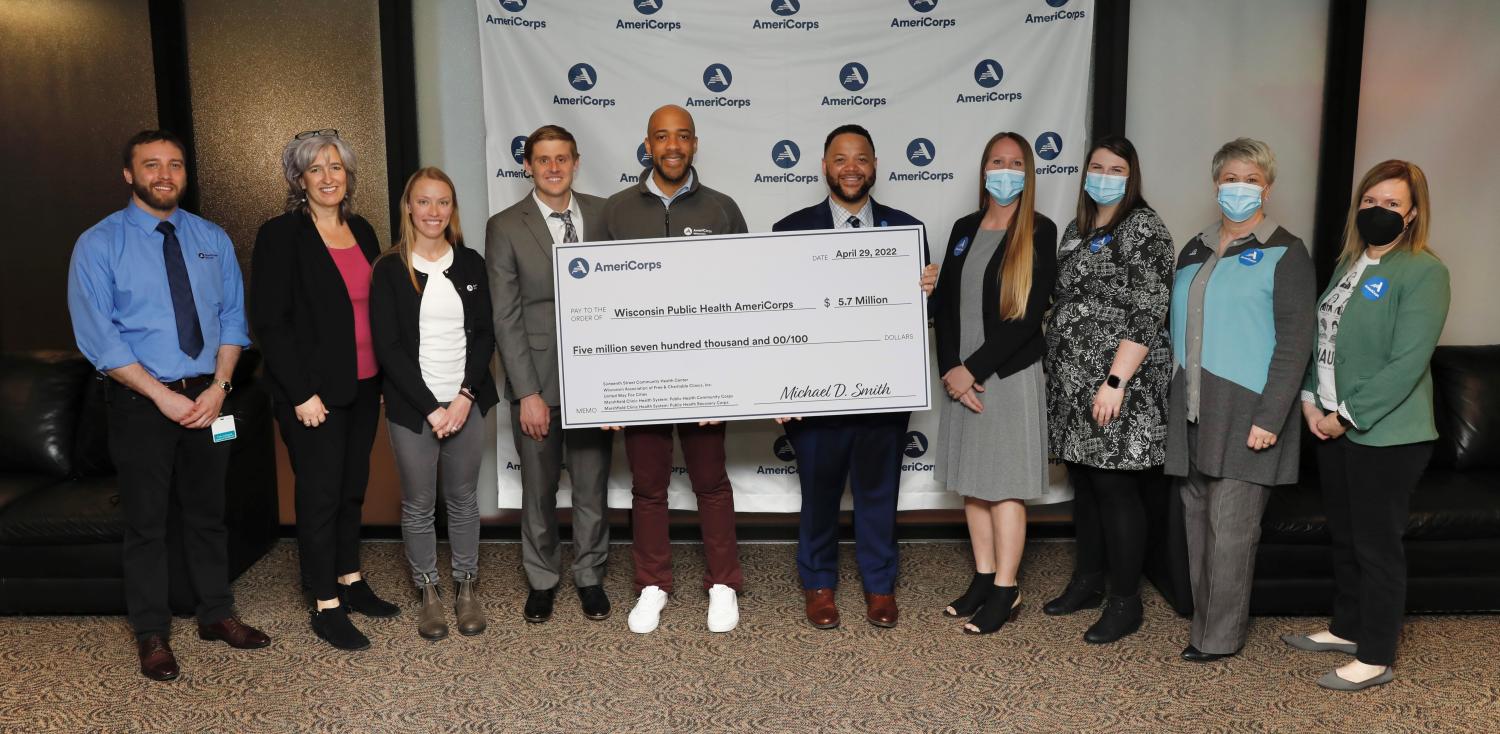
<point x="60" y="518"/>
<point x="1452" y="539"/>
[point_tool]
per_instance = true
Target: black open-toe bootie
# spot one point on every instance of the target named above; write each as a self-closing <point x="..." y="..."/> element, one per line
<point x="973" y="598"/>
<point x="1000" y="606"/>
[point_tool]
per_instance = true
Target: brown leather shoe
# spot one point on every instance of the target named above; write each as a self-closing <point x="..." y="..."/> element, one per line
<point x="821" y="611"/>
<point x="157" y="661"/>
<point x="880" y="609"/>
<point x="236" y="633"/>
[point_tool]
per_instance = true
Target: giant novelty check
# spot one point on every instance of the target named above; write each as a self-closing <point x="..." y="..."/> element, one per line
<point x="734" y="327"/>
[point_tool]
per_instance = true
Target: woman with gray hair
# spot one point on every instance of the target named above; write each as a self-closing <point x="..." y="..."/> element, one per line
<point x="1242" y="329"/>
<point x="310" y="289"/>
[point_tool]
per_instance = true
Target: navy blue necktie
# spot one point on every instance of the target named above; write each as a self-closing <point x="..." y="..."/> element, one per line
<point x="189" y="332"/>
<point x="854" y="222"/>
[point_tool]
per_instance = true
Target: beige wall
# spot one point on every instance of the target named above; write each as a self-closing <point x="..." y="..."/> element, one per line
<point x="1430" y="93"/>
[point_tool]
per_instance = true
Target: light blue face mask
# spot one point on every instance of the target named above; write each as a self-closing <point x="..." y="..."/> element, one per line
<point x="1004" y="184"/>
<point x="1239" y="201"/>
<point x="1104" y="189"/>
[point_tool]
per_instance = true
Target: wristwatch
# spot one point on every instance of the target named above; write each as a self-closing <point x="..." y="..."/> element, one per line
<point x="226" y="386"/>
<point x="1345" y="422"/>
<point x="1113" y="381"/>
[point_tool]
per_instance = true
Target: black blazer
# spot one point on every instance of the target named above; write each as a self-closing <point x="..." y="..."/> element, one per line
<point x="1008" y="346"/>
<point x="819" y="216"/>
<point x="395" y="319"/>
<point x="300" y="310"/>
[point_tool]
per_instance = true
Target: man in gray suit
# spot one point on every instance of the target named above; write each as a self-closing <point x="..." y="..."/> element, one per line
<point x="518" y="252"/>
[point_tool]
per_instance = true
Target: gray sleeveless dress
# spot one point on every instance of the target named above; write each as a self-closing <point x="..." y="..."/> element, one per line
<point x="1000" y="454"/>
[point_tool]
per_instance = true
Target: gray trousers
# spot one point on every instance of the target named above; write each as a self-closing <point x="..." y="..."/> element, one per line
<point x="425" y="463"/>
<point x="1223" y="529"/>
<point x="587" y="454"/>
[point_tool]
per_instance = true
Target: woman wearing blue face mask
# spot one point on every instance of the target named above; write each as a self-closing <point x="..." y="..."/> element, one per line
<point x="988" y="316"/>
<point x="1108" y="364"/>
<point x="1242" y="328"/>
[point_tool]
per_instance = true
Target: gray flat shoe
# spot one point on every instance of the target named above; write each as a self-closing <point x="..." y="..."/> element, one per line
<point x="1332" y="681"/>
<point x="1304" y="642"/>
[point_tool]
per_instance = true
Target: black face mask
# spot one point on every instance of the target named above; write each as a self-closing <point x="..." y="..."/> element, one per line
<point x="1378" y="225"/>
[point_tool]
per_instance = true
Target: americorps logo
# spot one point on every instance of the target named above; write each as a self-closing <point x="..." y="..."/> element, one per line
<point x="647" y="8"/>
<point x="785" y="9"/>
<point x="915" y="448"/>
<point x="578" y="267"/>
<point x="643" y="157"/>
<point x="518" y="152"/>
<point x="854" y="77"/>
<point x="514" y="6"/>
<point x="582" y="77"/>
<point x="920" y="152"/>
<point x="783" y="449"/>
<point x="717" y="78"/>
<point x="923" y="20"/>
<point x="1058" y="14"/>
<point x="988" y="74"/>
<point x="785" y="155"/>
<point x="1048" y="146"/>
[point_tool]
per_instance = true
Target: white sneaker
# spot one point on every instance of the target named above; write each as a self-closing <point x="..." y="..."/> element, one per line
<point x="723" y="609"/>
<point x="647" y="612"/>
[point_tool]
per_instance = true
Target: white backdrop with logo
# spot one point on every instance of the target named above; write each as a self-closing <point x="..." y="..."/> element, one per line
<point x="766" y="80"/>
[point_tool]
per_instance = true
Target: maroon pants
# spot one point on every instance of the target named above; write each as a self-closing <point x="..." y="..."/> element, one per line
<point x="649" y="450"/>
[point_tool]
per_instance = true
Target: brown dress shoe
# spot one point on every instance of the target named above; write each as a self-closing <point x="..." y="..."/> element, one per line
<point x="236" y="633"/>
<point x="821" y="611"/>
<point x="157" y="662"/>
<point x="880" y="609"/>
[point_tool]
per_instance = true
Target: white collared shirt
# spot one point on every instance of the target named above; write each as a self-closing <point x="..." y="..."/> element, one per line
<point x="667" y="200"/>
<point x="555" y="224"/>
<point x="865" y="215"/>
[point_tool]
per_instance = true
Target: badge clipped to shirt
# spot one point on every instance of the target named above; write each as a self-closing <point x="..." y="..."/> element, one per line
<point x="1252" y="256"/>
<point x="222" y="429"/>
<point x="1374" y="288"/>
<point x="1098" y="243"/>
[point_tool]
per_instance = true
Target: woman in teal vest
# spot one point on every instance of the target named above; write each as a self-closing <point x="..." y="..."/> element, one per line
<point x="1367" y="397"/>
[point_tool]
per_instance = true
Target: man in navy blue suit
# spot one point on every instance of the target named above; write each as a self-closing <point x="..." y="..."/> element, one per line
<point x="862" y="450"/>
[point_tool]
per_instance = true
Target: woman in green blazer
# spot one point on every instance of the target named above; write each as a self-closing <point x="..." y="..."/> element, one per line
<point x="1367" y="397"/>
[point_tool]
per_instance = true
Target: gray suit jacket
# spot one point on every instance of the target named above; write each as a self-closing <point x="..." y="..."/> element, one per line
<point x="518" y="253"/>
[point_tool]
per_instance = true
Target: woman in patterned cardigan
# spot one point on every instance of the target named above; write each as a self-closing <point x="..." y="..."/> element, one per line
<point x="1108" y="366"/>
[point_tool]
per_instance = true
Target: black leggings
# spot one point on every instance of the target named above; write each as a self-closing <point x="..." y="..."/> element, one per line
<point x="1110" y="522"/>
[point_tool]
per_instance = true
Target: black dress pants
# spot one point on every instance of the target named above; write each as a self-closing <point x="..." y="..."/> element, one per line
<point x="157" y="460"/>
<point x="332" y="466"/>
<point x="1109" y="518"/>
<point x="1367" y="496"/>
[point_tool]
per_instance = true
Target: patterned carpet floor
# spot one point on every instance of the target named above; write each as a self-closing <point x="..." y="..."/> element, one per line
<point x="774" y="674"/>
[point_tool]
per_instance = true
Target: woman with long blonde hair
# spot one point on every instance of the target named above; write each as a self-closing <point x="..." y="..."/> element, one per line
<point x="430" y="317"/>
<point x="988" y="316"/>
<point x="1367" y="398"/>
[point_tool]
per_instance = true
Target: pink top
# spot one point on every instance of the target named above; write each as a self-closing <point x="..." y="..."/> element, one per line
<point x="356" y="272"/>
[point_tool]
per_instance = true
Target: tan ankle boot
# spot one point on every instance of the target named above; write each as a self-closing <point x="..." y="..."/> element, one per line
<point x="466" y="608"/>
<point x="432" y="624"/>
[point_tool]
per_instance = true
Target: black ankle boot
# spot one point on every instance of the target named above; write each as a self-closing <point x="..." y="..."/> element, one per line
<point x="1083" y="592"/>
<point x="1121" y="617"/>
<point x="359" y="597"/>
<point x="973" y="598"/>
<point x="333" y="626"/>
<point x="1000" y="606"/>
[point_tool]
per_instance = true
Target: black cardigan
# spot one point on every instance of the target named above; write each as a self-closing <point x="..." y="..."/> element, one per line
<point x="395" y="317"/>
<point x="301" y="313"/>
<point x="1008" y="346"/>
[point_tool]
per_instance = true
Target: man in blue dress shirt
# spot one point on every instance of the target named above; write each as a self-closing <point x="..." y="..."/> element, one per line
<point x="158" y="305"/>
